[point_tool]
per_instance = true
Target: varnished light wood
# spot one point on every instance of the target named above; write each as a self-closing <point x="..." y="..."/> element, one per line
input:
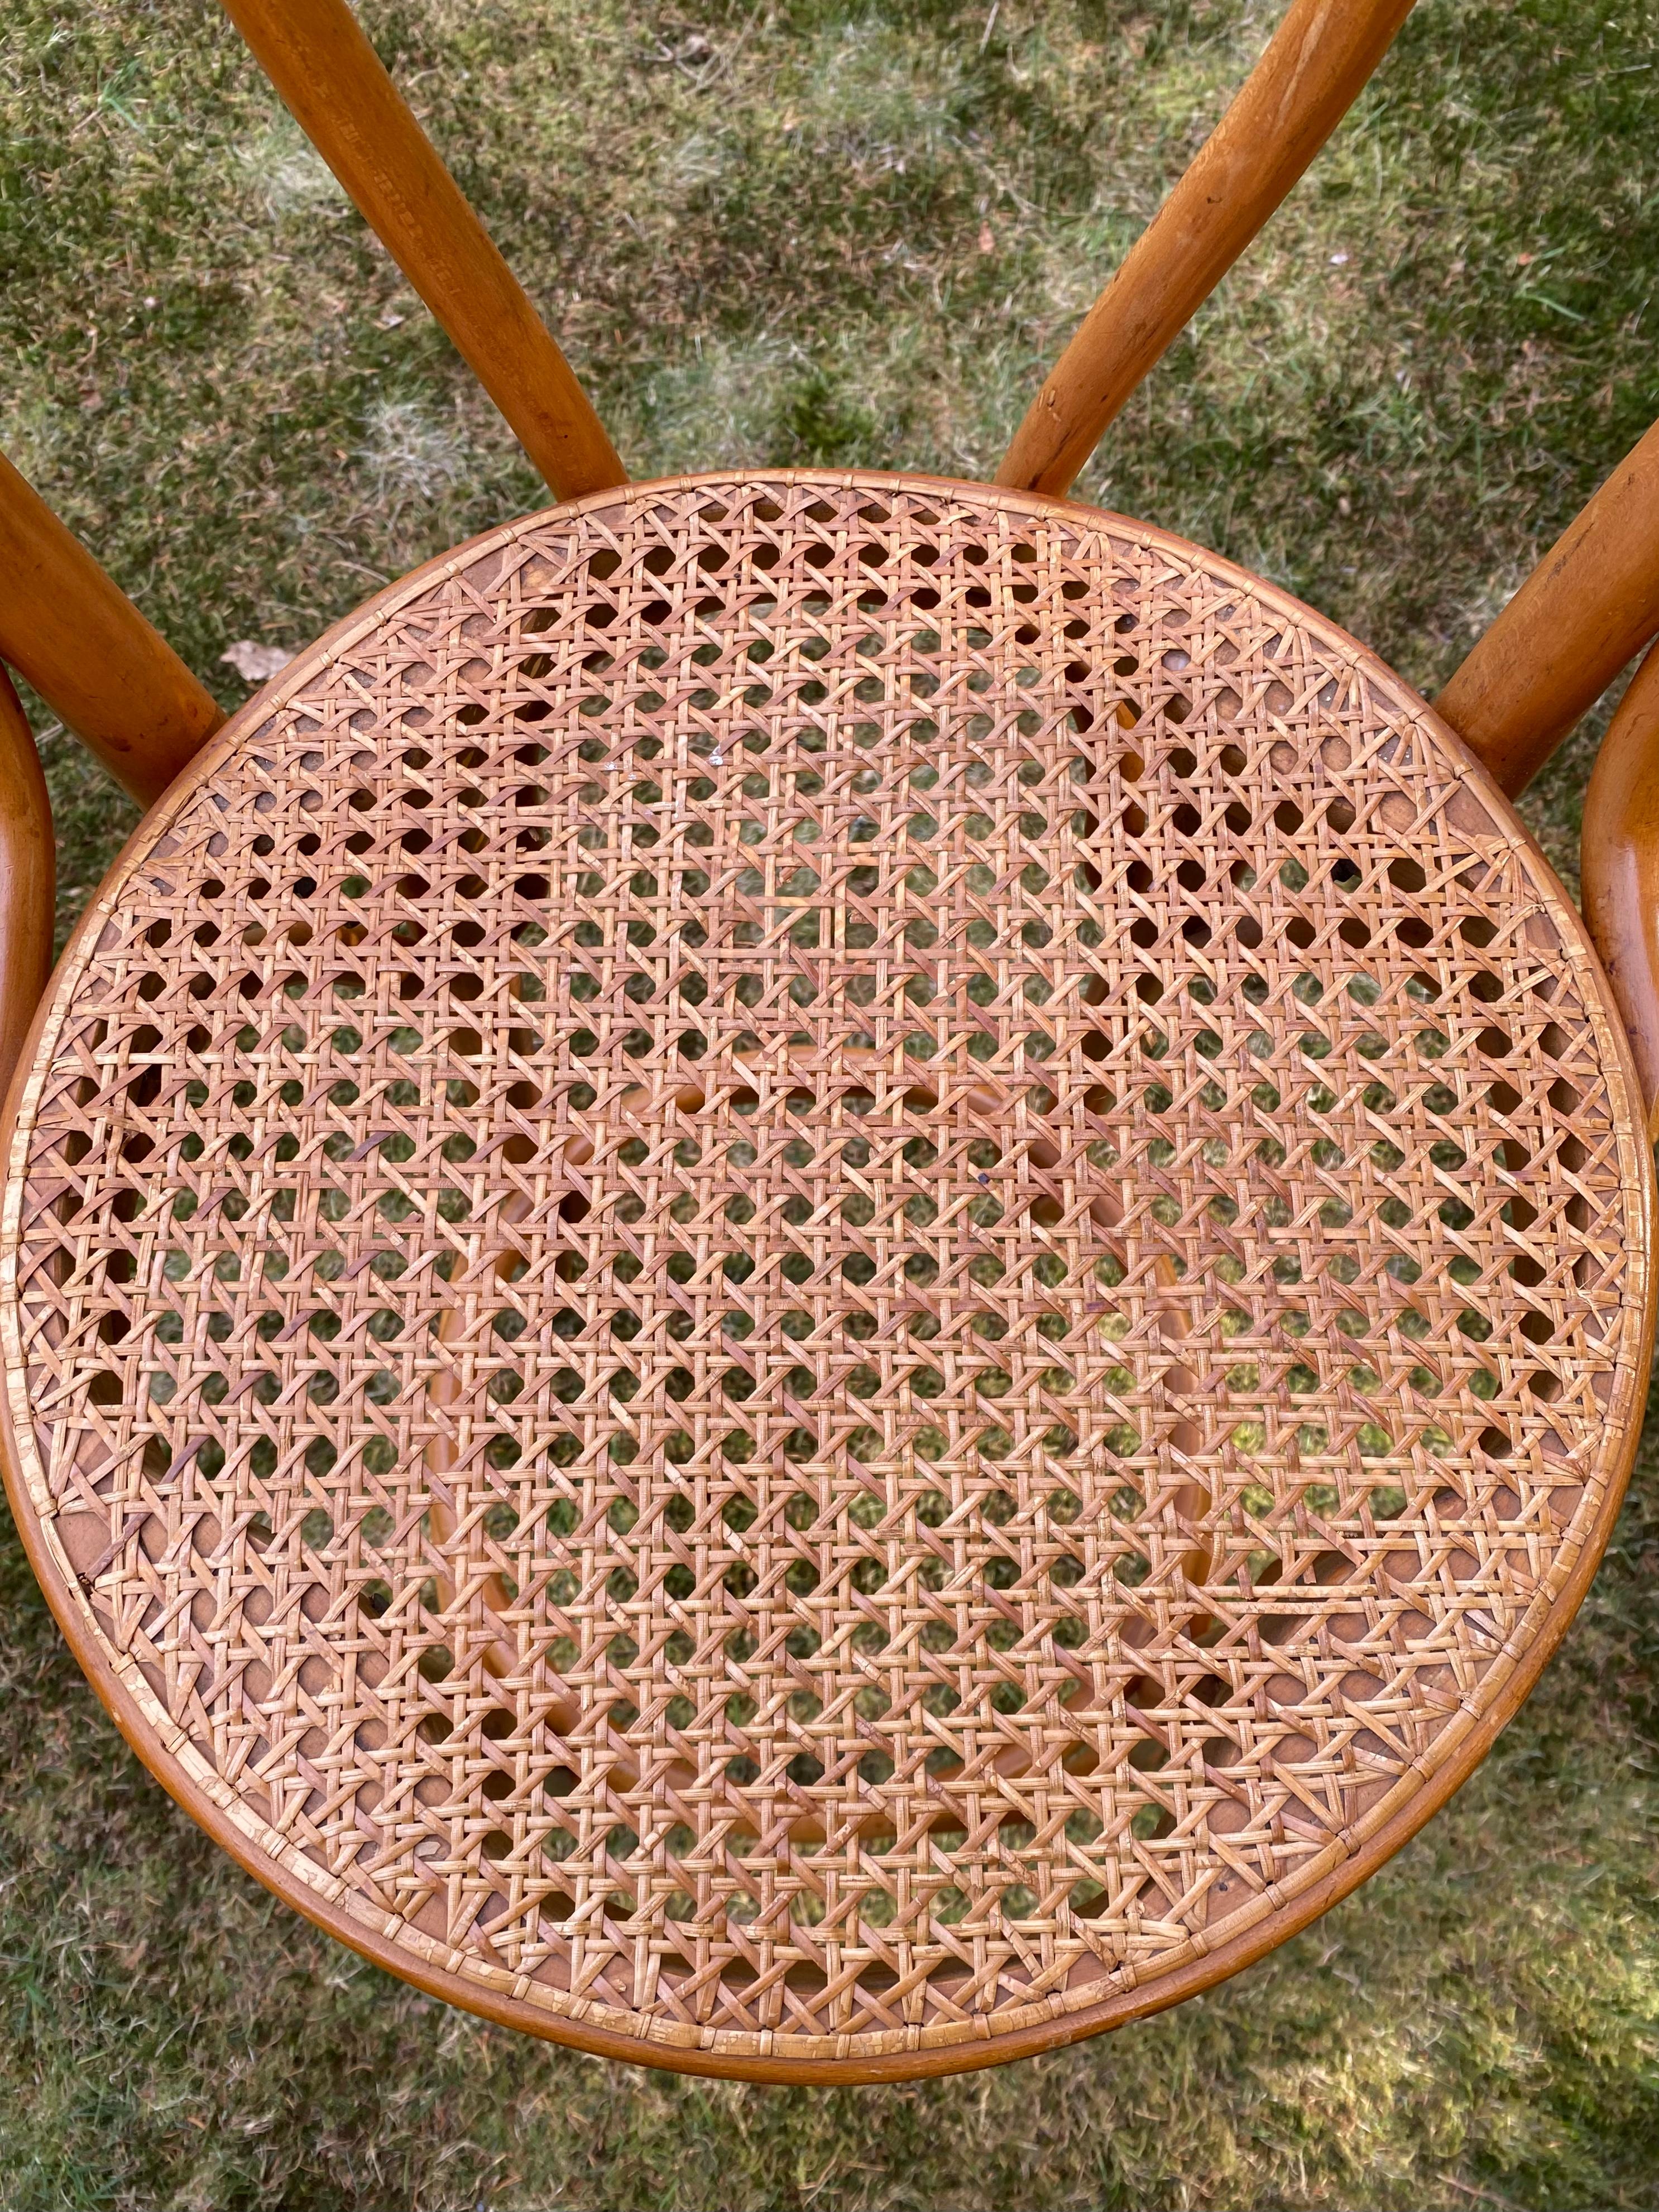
<point x="87" y="651"/>
<point x="797" y="1601"/>
<point x="1316" y="65"/>
<point x="1590" y="605"/>
<point x="824" y="1552"/>
<point x="27" y="878"/>
<point x="316" y="54"/>
<point x="1619" y="866"/>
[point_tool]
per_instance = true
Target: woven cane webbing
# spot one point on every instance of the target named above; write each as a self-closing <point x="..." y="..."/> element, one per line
<point x="817" y="1269"/>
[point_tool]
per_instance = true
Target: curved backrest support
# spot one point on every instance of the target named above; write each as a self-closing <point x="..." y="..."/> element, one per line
<point x="1590" y="605"/>
<point x="317" y="56"/>
<point x="27" y="873"/>
<point x="90" y="654"/>
<point x="1315" y="66"/>
<point x="67" y="627"/>
<point x="1619" y="868"/>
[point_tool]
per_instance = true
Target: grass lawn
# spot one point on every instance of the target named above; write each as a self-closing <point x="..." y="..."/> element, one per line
<point x="835" y="231"/>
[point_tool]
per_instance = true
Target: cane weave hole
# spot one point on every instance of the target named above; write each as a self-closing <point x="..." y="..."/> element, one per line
<point x="816" y="1266"/>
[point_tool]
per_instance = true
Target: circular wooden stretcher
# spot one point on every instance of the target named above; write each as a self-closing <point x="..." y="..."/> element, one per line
<point x="822" y="1275"/>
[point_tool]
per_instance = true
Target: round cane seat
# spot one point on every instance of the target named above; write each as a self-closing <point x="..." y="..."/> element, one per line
<point x="822" y="1275"/>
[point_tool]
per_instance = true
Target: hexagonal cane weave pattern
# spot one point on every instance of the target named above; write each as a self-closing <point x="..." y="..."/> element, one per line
<point x="819" y="1268"/>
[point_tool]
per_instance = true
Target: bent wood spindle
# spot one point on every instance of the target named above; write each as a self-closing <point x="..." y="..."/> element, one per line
<point x="1590" y="605"/>
<point x="317" y="57"/>
<point x="1315" y="66"/>
<point x="1620" y="867"/>
<point x="27" y="878"/>
<point x="67" y="627"/>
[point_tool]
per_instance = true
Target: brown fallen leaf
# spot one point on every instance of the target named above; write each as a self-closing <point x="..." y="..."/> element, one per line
<point x="255" y="664"/>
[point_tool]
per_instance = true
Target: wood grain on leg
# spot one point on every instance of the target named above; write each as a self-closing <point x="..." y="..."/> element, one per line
<point x="1316" y="63"/>
<point x="28" y="879"/>
<point x="1590" y="605"/>
<point x="87" y="651"/>
<point x="1621" y="867"/>
<point x="317" y="56"/>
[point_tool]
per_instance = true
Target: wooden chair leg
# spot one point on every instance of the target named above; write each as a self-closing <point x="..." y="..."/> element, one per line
<point x="315" y="53"/>
<point x="1619" y="866"/>
<point x="1316" y="65"/>
<point x="86" y="648"/>
<point x="28" y="879"/>
<point x="1590" y="605"/>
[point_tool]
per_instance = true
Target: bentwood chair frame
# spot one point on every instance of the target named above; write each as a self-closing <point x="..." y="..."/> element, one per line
<point x="1590" y="607"/>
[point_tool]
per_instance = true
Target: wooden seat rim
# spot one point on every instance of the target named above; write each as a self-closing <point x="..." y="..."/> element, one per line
<point x="1391" y="1824"/>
